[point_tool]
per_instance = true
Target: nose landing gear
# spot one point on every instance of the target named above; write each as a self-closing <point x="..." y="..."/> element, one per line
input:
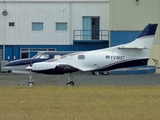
<point x="31" y="83"/>
<point x="70" y="79"/>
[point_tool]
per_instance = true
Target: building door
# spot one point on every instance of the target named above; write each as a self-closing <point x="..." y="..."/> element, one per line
<point x="91" y="28"/>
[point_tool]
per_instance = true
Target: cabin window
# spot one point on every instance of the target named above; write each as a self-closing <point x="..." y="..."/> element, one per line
<point x="81" y="57"/>
<point x="37" y="26"/>
<point x="107" y="57"/>
<point x="69" y="57"/>
<point x="57" y="57"/>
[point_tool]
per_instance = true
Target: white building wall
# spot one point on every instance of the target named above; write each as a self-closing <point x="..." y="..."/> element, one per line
<point x="98" y="9"/>
<point x="93" y="10"/>
<point x="24" y="12"/>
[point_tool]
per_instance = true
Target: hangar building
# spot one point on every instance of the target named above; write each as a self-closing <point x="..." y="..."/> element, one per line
<point x="28" y="26"/>
<point x="63" y="25"/>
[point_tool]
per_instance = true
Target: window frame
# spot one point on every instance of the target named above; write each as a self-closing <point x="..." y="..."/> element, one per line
<point x="62" y="27"/>
<point x="11" y="24"/>
<point x="37" y="28"/>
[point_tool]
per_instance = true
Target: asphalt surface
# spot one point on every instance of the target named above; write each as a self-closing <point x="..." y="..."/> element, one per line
<point x="85" y="79"/>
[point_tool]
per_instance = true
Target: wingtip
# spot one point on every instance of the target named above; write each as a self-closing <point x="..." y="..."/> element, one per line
<point x="29" y="68"/>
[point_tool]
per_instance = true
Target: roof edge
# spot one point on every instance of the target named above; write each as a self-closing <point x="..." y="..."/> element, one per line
<point x="45" y="1"/>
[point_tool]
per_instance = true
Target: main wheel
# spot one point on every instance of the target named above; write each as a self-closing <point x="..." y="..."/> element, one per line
<point x="105" y="72"/>
<point x="97" y="73"/>
<point x="30" y="84"/>
<point x="71" y="83"/>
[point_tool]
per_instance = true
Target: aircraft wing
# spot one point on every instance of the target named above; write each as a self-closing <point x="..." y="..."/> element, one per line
<point x="123" y="47"/>
<point x="56" y="65"/>
<point x="66" y="66"/>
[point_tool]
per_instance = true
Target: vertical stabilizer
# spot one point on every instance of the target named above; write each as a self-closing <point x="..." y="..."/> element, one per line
<point x="150" y="29"/>
<point x="144" y="40"/>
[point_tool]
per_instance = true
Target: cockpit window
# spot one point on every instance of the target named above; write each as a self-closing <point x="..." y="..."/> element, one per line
<point x="44" y="56"/>
<point x="36" y="56"/>
<point x="41" y="56"/>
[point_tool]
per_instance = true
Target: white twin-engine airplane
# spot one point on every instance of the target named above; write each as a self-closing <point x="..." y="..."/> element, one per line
<point x="135" y="53"/>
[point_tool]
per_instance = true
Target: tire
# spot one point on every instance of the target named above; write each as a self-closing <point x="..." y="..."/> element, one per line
<point x="30" y="84"/>
<point x="71" y="83"/>
<point x="96" y="73"/>
<point x="105" y="72"/>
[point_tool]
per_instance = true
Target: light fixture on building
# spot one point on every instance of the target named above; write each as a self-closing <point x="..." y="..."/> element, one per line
<point x="4" y="13"/>
<point x="137" y="2"/>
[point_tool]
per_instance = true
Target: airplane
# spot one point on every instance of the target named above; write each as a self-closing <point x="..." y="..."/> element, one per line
<point x="135" y="53"/>
<point x="19" y="66"/>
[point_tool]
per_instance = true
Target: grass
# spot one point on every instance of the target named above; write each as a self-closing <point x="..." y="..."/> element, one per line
<point x="80" y="103"/>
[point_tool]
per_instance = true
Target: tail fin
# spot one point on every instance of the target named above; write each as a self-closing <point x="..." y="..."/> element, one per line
<point x="150" y="29"/>
<point x="144" y="40"/>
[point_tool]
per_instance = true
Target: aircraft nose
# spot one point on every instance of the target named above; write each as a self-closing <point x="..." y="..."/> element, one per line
<point x="6" y="66"/>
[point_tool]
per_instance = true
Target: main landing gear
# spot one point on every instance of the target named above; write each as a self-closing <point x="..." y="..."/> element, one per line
<point x="31" y="83"/>
<point x="70" y="79"/>
<point x="97" y="73"/>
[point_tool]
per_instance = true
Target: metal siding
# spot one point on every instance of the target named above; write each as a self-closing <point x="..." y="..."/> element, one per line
<point x="130" y="15"/>
<point x="102" y="10"/>
<point x="24" y="13"/>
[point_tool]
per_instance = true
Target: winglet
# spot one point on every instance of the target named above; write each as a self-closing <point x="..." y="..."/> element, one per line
<point x="150" y="29"/>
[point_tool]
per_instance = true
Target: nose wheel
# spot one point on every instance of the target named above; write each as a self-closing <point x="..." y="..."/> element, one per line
<point x="31" y="83"/>
<point x="70" y="79"/>
<point x="71" y="83"/>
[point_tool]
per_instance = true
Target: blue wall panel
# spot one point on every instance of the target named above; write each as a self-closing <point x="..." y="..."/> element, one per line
<point x="122" y="37"/>
<point x="57" y="47"/>
<point x="16" y="52"/>
<point x="9" y="53"/>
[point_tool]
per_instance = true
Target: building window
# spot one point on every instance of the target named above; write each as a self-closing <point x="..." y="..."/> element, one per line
<point x="11" y="24"/>
<point x="61" y="26"/>
<point x="24" y="53"/>
<point x="37" y="26"/>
